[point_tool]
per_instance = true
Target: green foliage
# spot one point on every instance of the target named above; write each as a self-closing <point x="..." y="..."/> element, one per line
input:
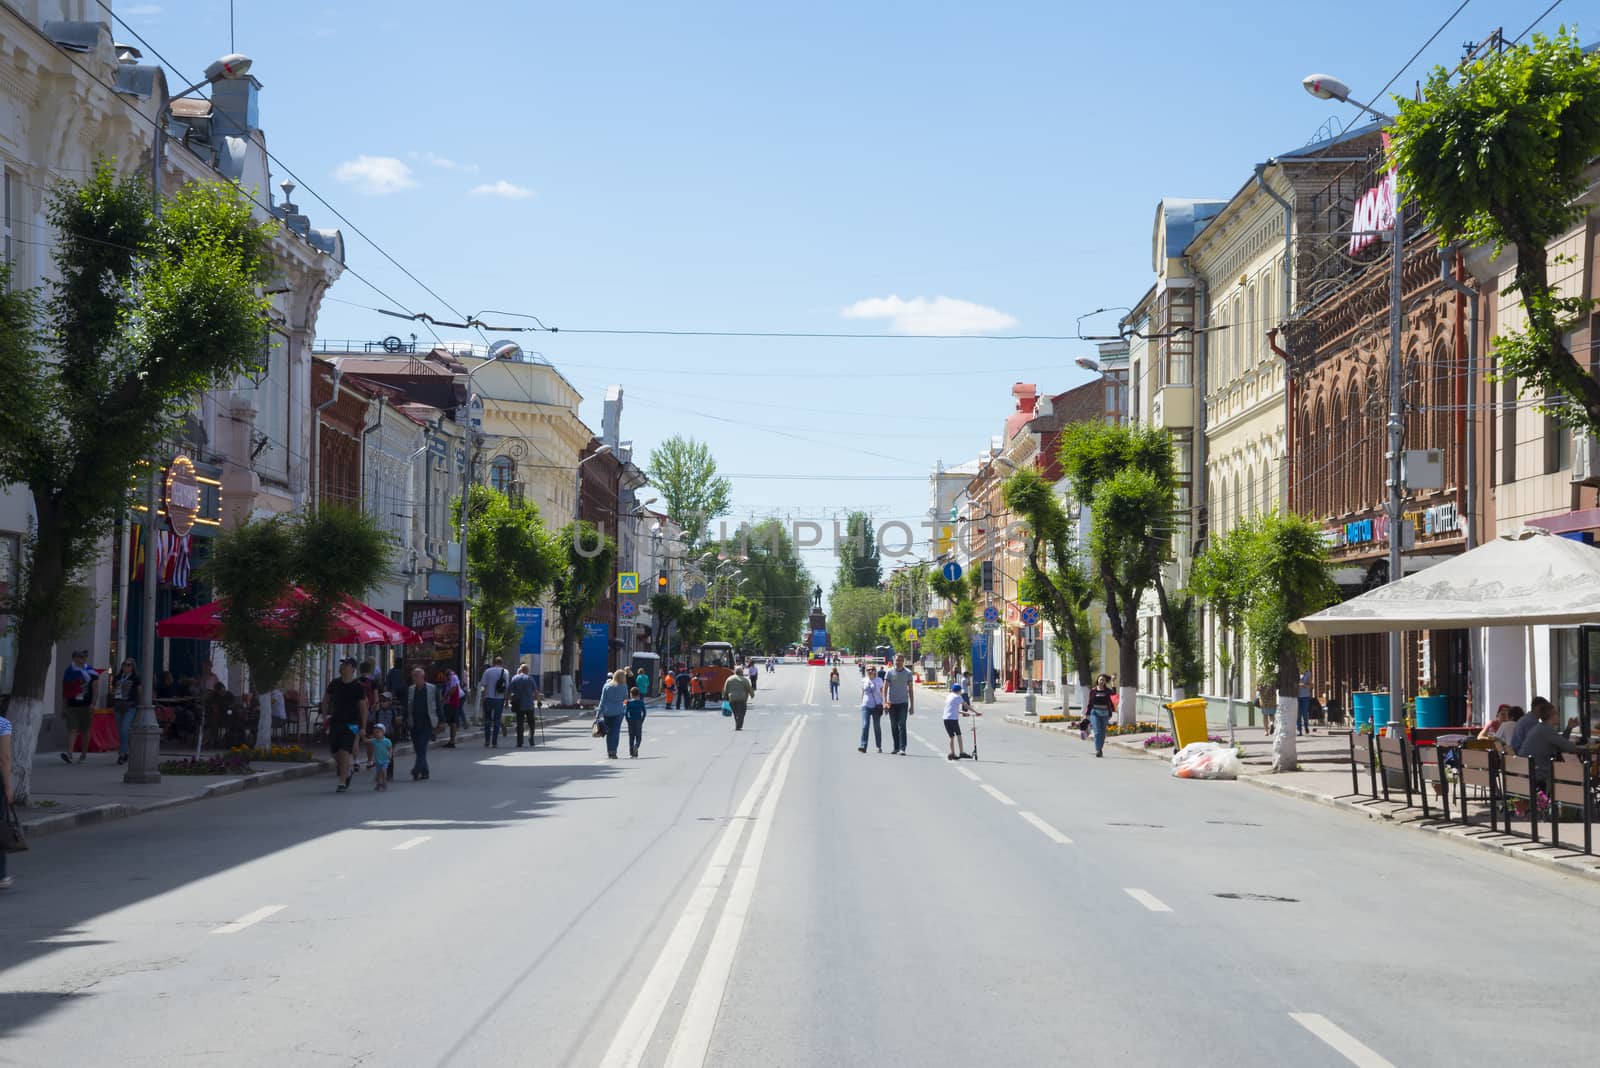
<point x="510" y="561"/>
<point x="686" y="474"/>
<point x="1290" y="578"/>
<point x="1221" y="578"/>
<point x="330" y="555"/>
<point x="740" y="622"/>
<point x="911" y="587"/>
<point x="1498" y="156"/>
<point x="892" y="631"/>
<point x="665" y="610"/>
<point x="144" y="311"/>
<point x="859" y="564"/>
<point x="582" y="561"/>
<point x="952" y="641"/>
<point x="774" y="576"/>
<point x="853" y="615"/>
<point x="1053" y="576"/>
<point x="692" y="626"/>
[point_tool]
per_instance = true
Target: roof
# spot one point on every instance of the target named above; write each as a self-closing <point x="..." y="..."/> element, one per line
<point x="1316" y="148"/>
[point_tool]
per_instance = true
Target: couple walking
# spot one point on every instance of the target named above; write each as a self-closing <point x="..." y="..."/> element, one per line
<point x="893" y="688"/>
<point x="619" y="701"/>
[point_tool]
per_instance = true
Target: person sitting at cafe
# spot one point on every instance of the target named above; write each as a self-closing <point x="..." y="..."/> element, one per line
<point x="1543" y="742"/>
<point x="1502" y="726"/>
<point x="1519" y="733"/>
<point x="167" y="688"/>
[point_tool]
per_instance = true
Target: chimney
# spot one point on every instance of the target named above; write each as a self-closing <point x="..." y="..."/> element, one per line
<point x="611" y="418"/>
<point x="235" y="108"/>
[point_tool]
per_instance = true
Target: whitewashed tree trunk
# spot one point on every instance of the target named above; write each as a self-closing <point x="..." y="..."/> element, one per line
<point x="1283" y="737"/>
<point x="264" y="720"/>
<point x="27" y="717"/>
<point x="1128" y="706"/>
<point x="1080" y="696"/>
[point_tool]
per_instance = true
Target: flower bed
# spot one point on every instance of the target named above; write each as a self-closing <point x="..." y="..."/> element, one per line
<point x="281" y="754"/>
<point x="1160" y="741"/>
<point x="1138" y="728"/>
<point x="231" y="763"/>
<point x="1053" y="717"/>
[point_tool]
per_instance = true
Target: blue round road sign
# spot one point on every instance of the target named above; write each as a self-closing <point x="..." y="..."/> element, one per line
<point x="991" y="614"/>
<point x="1030" y="615"/>
<point x="952" y="571"/>
<point x="626" y="606"/>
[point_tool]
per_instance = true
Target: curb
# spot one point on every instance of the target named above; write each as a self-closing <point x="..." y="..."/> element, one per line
<point x="44" y="825"/>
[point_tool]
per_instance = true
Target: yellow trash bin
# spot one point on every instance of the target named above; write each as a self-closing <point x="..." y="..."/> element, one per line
<point x="1189" y="720"/>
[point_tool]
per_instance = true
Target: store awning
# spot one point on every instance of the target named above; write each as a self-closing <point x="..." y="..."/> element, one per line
<point x="355" y="624"/>
<point x="1523" y="579"/>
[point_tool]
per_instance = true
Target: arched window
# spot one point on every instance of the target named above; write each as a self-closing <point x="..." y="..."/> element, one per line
<point x="1252" y="327"/>
<point x="1249" y="492"/>
<point x="503" y="474"/>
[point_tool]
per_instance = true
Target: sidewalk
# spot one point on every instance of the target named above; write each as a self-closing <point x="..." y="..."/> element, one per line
<point x="67" y="796"/>
<point x="1323" y="777"/>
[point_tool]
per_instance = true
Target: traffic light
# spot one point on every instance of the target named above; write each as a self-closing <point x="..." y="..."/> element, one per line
<point x="661" y="582"/>
<point x="988" y="576"/>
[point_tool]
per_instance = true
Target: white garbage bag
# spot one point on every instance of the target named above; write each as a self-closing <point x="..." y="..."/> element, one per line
<point x="1206" y="760"/>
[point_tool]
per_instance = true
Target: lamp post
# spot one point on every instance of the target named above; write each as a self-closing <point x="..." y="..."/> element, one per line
<point x="144" y="741"/>
<point x="1327" y="87"/>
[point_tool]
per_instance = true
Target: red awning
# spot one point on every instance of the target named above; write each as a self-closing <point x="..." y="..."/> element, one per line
<point x="355" y="624"/>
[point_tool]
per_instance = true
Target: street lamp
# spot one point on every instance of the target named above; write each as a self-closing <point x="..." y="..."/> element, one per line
<point x="144" y="740"/>
<point x="1327" y="87"/>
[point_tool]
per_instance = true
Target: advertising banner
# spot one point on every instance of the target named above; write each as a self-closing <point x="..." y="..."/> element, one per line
<point x="443" y="645"/>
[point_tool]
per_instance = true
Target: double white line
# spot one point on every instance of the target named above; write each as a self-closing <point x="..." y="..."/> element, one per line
<point x="693" y="1038"/>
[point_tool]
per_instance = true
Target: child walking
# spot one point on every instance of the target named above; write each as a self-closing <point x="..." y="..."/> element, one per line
<point x="635" y="711"/>
<point x="382" y="751"/>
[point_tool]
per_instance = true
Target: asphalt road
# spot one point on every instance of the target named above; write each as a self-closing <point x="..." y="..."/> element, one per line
<point x="774" y="897"/>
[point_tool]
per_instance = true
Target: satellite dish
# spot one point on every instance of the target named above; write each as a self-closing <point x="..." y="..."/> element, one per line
<point x="505" y="350"/>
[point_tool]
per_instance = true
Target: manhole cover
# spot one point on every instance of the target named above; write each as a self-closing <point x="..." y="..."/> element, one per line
<point x="1157" y="826"/>
<point x="1257" y="897"/>
<point x="1234" y="823"/>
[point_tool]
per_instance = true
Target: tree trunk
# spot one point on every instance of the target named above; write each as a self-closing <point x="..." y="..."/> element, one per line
<point x="264" y="719"/>
<point x="1284" y="756"/>
<point x="1128" y="669"/>
<point x="47" y="579"/>
<point x="569" y="658"/>
<point x="1533" y="282"/>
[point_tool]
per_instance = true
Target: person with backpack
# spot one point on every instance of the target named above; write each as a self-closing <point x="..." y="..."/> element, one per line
<point x="77" y="690"/>
<point x="492" y="690"/>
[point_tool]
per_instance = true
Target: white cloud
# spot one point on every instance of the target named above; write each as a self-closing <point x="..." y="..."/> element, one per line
<point x="140" y="10"/>
<point x="375" y="174"/>
<point x="433" y="159"/>
<point x="936" y="315"/>
<point x="503" y="189"/>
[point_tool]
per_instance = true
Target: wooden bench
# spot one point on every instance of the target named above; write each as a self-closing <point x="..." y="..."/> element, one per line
<point x="1516" y="775"/>
<point x="1569" y="785"/>
<point x="1429" y="763"/>
<point x="1480" y="769"/>
<point x="1362" y="756"/>
<point x="1395" y="753"/>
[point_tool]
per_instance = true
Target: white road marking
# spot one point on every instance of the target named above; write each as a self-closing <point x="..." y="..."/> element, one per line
<point x="997" y="795"/>
<point x="503" y="804"/>
<point x="810" y="697"/>
<point x="412" y="843"/>
<point x="597" y="763"/>
<point x="632" y="1037"/>
<point x="1147" y="899"/>
<point x="1049" y="832"/>
<point x="249" y="919"/>
<point x="699" y="1020"/>
<point x="971" y="776"/>
<point x="1344" y="1043"/>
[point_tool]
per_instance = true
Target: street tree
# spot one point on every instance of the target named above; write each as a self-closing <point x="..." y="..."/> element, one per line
<point x="892" y="632"/>
<point x="686" y="474"/>
<point x="692" y="626"/>
<point x="1290" y="578"/>
<point x="853" y="615"/>
<point x="665" y="610"/>
<point x="739" y="621"/>
<point x="1221" y="579"/>
<point x="145" y="311"/>
<point x="1127" y="474"/>
<point x="582" y="563"/>
<point x="282" y="583"/>
<point x="773" y="575"/>
<point x="1500" y="156"/>
<point x="509" y="562"/>
<point x="860" y="566"/>
<point x="1053" y="572"/>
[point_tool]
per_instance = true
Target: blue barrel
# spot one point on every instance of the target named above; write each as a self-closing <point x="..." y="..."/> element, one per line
<point x="1380" y="711"/>
<point x="1433" y="711"/>
<point x="1361" y="709"/>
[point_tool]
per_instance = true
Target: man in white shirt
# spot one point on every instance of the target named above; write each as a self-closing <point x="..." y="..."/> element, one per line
<point x="492" y="690"/>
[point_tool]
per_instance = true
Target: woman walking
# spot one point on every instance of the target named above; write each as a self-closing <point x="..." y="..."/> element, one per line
<point x="613" y="705"/>
<point x="125" y="699"/>
<point x="451" y="700"/>
<point x="871" y="709"/>
<point x="1100" y="711"/>
<point x="833" y="683"/>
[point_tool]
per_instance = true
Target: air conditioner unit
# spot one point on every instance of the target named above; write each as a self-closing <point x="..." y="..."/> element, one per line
<point x="1585" y="458"/>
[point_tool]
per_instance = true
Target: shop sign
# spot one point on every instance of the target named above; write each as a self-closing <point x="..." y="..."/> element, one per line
<point x="1374" y="213"/>
<point x="180" y="495"/>
<point x="1441" y="519"/>
<point x="1359" y="532"/>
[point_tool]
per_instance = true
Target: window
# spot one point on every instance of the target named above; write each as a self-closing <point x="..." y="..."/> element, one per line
<point x="1252" y="326"/>
<point x="8" y="209"/>
<point x="503" y="474"/>
<point x="1508" y="431"/>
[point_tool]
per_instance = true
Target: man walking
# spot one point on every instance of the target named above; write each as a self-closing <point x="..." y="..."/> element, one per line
<point x="493" y="687"/>
<point x="422" y="705"/>
<point x="524" y="701"/>
<point x="77" y="689"/>
<point x="736" y="691"/>
<point x="347" y="719"/>
<point x="682" y="686"/>
<point x="901" y="697"/>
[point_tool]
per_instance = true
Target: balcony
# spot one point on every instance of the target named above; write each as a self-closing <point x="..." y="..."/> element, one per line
<point x="1172" y="407"/>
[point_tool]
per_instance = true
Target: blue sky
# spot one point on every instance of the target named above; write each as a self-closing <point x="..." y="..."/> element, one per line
<point x="766" y="167"/>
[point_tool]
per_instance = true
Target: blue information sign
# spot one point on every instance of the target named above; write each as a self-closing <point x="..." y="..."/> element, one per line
<point x="595" y="658"/>
<point x="531" y="620"/>
<point x="952" y="571"/>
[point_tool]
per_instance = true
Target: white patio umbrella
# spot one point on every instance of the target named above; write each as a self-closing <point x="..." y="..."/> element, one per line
<point x="1523" y="579"/>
